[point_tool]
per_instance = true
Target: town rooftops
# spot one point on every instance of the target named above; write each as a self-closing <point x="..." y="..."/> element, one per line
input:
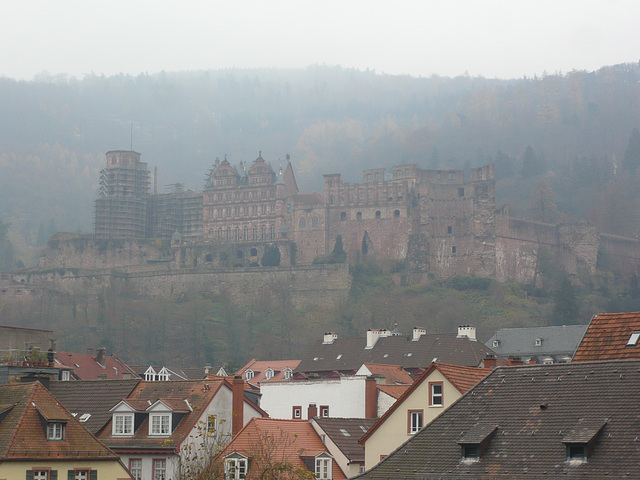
<point x="90" y="400"/>
<point x="574" y="420"/>
<point x="610" y="336"/>
<point x="392" y="374"/>
<point x="345" y="433"/>
<point x="257" y="371"/>
<point x="556" y="343"/>
<point x="26" y="411"/>
<point x="89" y="366"/>
<point x="412" y="352"/>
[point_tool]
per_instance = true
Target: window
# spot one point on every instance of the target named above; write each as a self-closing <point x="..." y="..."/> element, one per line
<point x="160" y="424"/>
<point x="212" y="423"/>
<point x="302" y="223"/>
<point x="55" y="431"/>
<point x="249" y="373"/>
<point x="415" y="421"/>
<point x="65" y="375"/>
<point x="40" y="474"/>
<point x="461" y="192"/>
<point x="449" y="229"/>
<point x="396" y="213"/>
<point x="80" y="474"/>
<point x="324" y="410"/>
<point x="359" y="216"/>
<point x="537" y="342"/>
<point x="633" y="339"/>
<point x="495" y="344"/>
<point x="343" y="216"/>
<point x="323" y="468"/>
<point x="470" y="452"/>
<point x="235" y="468"/>
<point x="269" y="374"/>
<point x="297" y="412"/>
<point x="453" y="249"/>
<point x="435" y="394"/>
<point x="159" y="469"/>
<point x="135" y="467"/>
<point x="378" y="214"/>
<point x="577" y="452"/>
<point x="288" y="373"/>
<point x="123" y="424"/>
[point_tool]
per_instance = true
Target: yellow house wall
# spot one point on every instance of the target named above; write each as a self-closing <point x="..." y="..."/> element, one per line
<point x="393" y="432"/>
<point x="107" y="470"/>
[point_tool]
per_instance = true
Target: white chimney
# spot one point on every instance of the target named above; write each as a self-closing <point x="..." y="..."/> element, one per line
<point x="467" y="331"/>
<point x="417" y="333"/>
<point x="373" y="334"/>
<point x="329" y="337"/>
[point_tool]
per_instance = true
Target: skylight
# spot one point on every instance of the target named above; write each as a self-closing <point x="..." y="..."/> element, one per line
<point x="344" y="432"/>
<point x="633" y="339"/>
<point x="84" y="417"/>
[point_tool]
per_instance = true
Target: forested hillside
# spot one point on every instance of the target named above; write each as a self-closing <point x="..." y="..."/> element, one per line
<point x="559" y="141"/>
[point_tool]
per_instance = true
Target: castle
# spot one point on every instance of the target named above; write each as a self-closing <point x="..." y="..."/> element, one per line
<point x="434" y="221"/>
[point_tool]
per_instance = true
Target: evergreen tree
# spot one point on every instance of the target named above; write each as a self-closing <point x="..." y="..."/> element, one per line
<point x="271" y="257"/>
<point x="631" y="159"/>
<point x="565" y="310"/>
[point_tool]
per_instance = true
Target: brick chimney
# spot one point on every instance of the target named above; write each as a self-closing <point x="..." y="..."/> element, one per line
<point x="238" y="405"/>
<point x="515" y="361"/>
<point x="370" y="398"/>
<point x="312" y="411"/>
<point x="490" y="361"/>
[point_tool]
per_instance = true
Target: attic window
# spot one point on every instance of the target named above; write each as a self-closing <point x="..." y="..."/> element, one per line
<point x="288" y="373"/>
<point x="269" y="374"/>
<point x="248" y="374"/>
<point x="496" y="343"/>
<point x="339" y="357"/>
<point x="537" y="342"/>
<point x="470" y="452"/>
<point x="344" y="432"/>
<point x="84" y="417"/>
<point x="55" y="431"/>
<point x="633" y="339"/>
<point x="577" y="452"/>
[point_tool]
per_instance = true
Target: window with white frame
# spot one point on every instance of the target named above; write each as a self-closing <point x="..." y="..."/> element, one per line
<point x="288" y="373"/>
<point x="235" y="468"/>
<point x="38" y="474"/>
<point x="135" y="467"/>
<point x="269" y="374"/>
<point x="323" y="468"/>
<point x="122" y="424"/>
<point x="248" y="374"/>
<point x="415" y="421"/>
<point x="160" y="424"/>
<point x="55" y="431"/>
<point x="163" y="375"/>
<point x="81" y="475"/>
<point x="150" y="374"/>
<point x="324" y="411"/>
<point x="212" y="423"/>
<point x="297" y="412"/>
<point x="65" y="375"/>
<point x="435" y="394"/>
<point x="159" y="469"/>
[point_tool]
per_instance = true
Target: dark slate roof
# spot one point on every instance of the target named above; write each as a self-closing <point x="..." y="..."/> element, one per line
<point x="346" y="355"/>
<point x="25" y="408"/>
<point x="335" y="429"/>
<point x="607" y="337"/>
<point x="555" y="340"/>
<point x="527" y="414"/>
<point x="95" y="397"/>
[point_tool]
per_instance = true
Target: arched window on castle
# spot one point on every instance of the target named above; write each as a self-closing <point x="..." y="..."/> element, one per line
<point x="302" y="223"/>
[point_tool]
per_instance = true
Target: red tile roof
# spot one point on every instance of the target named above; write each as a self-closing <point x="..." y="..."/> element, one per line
<point x="86" y="367"/>
<point x="394" y="374"/>
<point x="259" y="368"/>
<point x="394" y="391"/>
<point x="289" y="440"/>
<point x="607" y="336"/>
<point x="23" y="431"/>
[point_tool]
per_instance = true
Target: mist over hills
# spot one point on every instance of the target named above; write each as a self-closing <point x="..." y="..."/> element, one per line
<point x="54" y="132"/>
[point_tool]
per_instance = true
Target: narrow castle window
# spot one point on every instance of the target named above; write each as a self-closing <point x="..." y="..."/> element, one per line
<point x="396" y="213"/>
<point x="378" y="214"/>
<point x="359" y="216"/>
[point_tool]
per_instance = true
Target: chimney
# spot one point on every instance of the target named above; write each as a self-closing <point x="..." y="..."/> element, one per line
<point x="207" y="368"/>
<point x="373" y="334"/>
<point x="515" y="361"/>
<point x="467" y="331"/>
<point x="238" y="405"/>
<point x="417" y="333"/>
<point x="370" y="398"/>
<point x="490" y="361"/>
<point x="312" y="411"/>
<point x="533" y="361"/>
<point x="329" y="337"/>
<point x="102" y="352"/>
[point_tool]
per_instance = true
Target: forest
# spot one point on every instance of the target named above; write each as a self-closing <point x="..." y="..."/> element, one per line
<point x="566" y="148"/>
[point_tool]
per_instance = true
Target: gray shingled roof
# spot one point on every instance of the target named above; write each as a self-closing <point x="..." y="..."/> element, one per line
<point x="346" y="355"/>
<point x="95" y="397"/>
<point x="527" y="415"/>
<point x="555" y="341"/>
<point x="335" y="429"/>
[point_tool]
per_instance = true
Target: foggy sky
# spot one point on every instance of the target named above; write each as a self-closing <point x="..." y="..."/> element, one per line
<point x="503" y="39"/>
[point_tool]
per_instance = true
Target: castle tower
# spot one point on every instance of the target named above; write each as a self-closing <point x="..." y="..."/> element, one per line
<point x="120" y="211"/>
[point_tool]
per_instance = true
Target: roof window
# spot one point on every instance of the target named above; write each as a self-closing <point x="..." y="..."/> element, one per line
<point x="344" y="432"/>
<point x="633" y="339"/>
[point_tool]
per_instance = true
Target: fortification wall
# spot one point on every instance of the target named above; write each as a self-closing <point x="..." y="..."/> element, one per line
<point x="323" y="285"/>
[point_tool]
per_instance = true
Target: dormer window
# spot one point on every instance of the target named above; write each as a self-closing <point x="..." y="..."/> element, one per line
<point x="324" y="467"/>
<point x="150" y="374"/>
<point x="235" y="467"/>
<point x="577" y="452"/>
<point x="537" y="342"/>
<point x="288" y="373"/>
<point x="122" y="424"/>
<point x="249" y="374"/>
<point x="269" y="374"/>
<point x="495" y="344"/>
<point x="55" y="431"/>
<point x="633" y="339"/>
<point x="470" y="452"/>
<point x="159" y="424"/>
<point x="475" y="442"/>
